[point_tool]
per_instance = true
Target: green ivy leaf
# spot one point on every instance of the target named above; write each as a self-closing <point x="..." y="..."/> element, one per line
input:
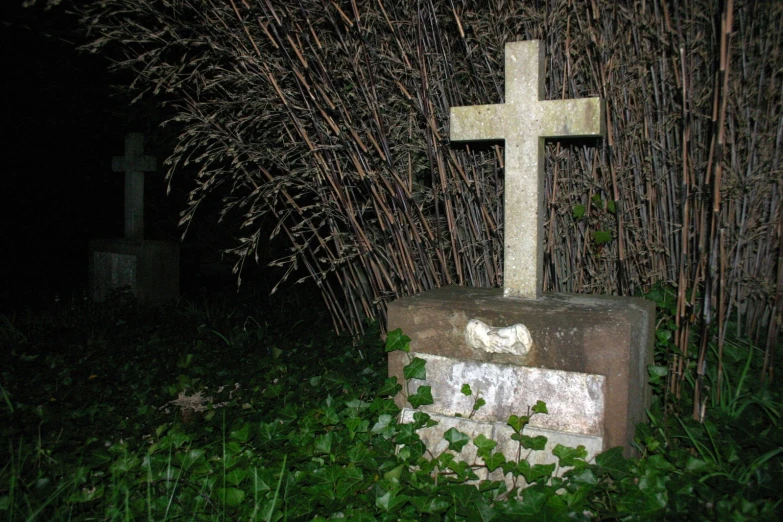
<point x="612" y="463"/>
<point x="394" y="474"/>
<point x="462" y="469"/>
<point x="529" y="506"/>
<point x="695" y="465"/>
<point x="586" y="476"/>
<point x="190" y="458"/>
<point x="422" y="397"/>
<point x="479" y="403"/>
<point x="231" y="497"/>
<point x="466" y="390"/>
<point x="663" y="335"/>
<point x="540" y="407"/>
<point x="384" y="426"/>
<point x="236" y="476"/>
<point x="484" y="445"/>
<point x="430" y="505"/>
<point x="288" y="413"/>
<point x="422" y="420"/>
<point x="329" y="416"/>
<point x="390" y="387"/>
<point x="657" y="371"/>
<point x="659" y="462"/>
<point x="396" y="340"/>
<point x="537" y="443"/>
<point x="389" y="501"/>
<point x="357" y="425"/>
<point x="444" y="460"/>
<point x="494" y="461"/>
<point x="648" y="498"/>
<point x="457" y="440"/>
<point x="358" y="453"/>
<point x="536" y="472"/>
<point x="602" y="236"/>
<point x="272" y="391"/>
<point x="657" y="374"/>
<point x="486" y="512"/>
<point x="518" y="423"/>
<point x="406" y="434"/>
<point x="567" y="456"/>
<point x="323" y="444"/>
<point x="416" y="369"/>
<point x="349" y="482"/>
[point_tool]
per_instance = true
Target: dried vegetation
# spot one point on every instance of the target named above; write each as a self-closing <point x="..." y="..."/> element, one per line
<point x="329" y="120"/>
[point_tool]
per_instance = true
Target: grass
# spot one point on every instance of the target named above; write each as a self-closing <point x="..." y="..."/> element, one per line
<point x="227" y="410"/>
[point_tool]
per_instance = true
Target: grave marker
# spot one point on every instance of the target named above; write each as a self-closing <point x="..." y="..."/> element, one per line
<point x="523" y="122"/>
<point x="585" y="356"/>
<point x="149" y="268"/>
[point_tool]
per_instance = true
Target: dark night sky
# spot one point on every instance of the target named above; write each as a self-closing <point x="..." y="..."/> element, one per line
<point x="63" y="123"/>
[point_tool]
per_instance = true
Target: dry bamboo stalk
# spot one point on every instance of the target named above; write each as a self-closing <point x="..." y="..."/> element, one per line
<point x="331" y="122"/>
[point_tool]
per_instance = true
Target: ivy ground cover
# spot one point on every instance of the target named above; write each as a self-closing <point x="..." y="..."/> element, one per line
<point x="224" y="410"/>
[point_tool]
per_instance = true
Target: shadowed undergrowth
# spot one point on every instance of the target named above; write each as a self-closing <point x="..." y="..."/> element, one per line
<point x="222" y="411"/>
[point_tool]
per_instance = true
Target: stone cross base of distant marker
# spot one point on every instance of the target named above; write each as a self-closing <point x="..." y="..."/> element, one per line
<point x="585" y="356"/>
<point x="149" y="269"/>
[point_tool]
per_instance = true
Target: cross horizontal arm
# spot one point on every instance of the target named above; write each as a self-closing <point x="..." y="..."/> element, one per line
<point x="133" y="164"/>
<point x="583" y="117"/>
<point x="478" y="122"/>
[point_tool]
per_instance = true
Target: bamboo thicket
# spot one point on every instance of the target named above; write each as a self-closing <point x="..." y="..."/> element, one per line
<point x="331" y="119"/>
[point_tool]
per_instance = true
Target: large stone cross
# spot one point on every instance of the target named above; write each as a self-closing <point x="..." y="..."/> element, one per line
<point x="523" y="122"/>
<point x="134" y="164"/>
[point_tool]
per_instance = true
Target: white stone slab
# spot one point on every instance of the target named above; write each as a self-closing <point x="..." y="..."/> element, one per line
<point x="575" y="401"/>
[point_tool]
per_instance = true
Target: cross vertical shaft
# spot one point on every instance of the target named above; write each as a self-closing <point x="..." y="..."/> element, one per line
<point x="523" y="121"/>
<point x="134" y="164"/>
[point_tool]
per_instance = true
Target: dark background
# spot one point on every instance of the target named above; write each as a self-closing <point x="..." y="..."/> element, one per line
<point x="65" y="115"/>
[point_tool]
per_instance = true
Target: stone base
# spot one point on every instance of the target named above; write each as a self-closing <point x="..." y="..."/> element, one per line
<point x="596" y="335"/>
<point x="149" y="268"/>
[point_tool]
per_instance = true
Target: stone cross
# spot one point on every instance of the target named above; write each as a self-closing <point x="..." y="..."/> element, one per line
<point x="523" y="122"/>
<point x="134" y="164"/>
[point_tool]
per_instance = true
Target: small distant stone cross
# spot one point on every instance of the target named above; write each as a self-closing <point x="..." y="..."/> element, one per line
<point x="134" y="164"/>
<point x="523" y="122"/>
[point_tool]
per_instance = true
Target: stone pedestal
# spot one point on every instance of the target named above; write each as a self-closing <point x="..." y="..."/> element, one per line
<point x="149" y="268"/>
<point x="588" y="361"/>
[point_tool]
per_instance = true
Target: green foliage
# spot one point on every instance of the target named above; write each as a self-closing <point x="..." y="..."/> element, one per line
<point x="396" y="340"/>
<point x="478" y="400"/>
<point x="601" y="237"/>
<point x="422" y="397"/>
<point x="729" y="466"/>
<point x="600" y="216"/>
<point x="415" y="370"/>
<point x="120" y="412"/>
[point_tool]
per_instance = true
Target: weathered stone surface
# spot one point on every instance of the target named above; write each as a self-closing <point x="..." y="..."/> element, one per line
<point x="523" y="121"/>
<point x="134" y="164"/>
<point x="575" y="401"/>
<point x="598" y="335"/>
<point x="150" y="268"/>
<point x="500" y="432"/>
